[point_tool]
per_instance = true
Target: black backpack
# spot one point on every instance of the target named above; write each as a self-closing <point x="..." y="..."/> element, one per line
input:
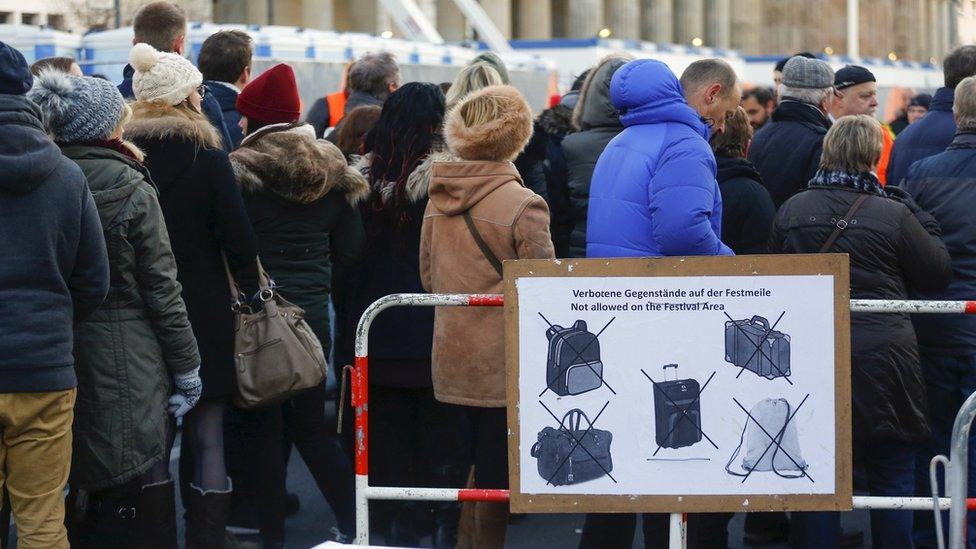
<point x="561" y="460"/>
<point x="574" y="365"/>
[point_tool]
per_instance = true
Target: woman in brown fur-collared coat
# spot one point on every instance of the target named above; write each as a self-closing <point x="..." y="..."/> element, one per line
<point x="486" y="131"/>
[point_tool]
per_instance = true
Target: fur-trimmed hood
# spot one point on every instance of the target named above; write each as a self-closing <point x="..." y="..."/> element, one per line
<point x="156" y="120"/>
<point x="500" y="139"/>
<point x="417" y="182"/>
<point x="556" y="121"/>
<point x="290" y="162"/>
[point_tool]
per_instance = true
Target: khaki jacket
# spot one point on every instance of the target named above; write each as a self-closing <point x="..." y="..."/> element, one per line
<point x="468" y="359"/>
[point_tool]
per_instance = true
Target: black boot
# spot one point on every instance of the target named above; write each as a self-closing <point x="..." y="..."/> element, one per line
<point x="157" y="516"/>
<point x="206" y="517"/>
<point x="113" y="515"/>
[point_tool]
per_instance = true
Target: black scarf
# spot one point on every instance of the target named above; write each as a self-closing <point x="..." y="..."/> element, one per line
<point x="859" y="181"/>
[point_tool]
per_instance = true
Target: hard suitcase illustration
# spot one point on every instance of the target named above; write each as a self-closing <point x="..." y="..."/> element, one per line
<point x="750" y="344"/>
<point x="574" y="452"/>
<point x="573" y="365"/>
<point x="674" y="429"/>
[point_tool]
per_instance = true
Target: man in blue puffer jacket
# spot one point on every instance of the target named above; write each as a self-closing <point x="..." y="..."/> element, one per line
<point x="653" y="191"/>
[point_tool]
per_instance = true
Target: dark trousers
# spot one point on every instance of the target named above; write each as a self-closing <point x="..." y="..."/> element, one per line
<point x="949" y="380"/>
<point x="705" y="531"/>
<point x="489" y="437"/>
<point x="890" y="470"/>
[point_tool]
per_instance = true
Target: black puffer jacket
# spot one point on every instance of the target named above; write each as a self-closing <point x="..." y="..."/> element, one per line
<point x="598" y="122"/>
<point x="747" y="209"/>
<point x="892" y="245"/>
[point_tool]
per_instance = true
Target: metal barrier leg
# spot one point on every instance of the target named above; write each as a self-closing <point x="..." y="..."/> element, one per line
<point x="676" y="532"/>
<point x="958" y="480"/>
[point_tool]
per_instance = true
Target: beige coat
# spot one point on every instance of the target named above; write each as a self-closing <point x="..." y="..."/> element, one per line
<point x="468" y="362"/>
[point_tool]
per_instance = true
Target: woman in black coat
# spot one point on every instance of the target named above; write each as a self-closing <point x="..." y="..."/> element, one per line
<point x="206" y="221"/>
<point x="892" y="245"/>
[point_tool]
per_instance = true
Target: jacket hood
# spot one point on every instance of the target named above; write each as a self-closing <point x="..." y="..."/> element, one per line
<point x="943" y="99"/>
<point x="417" y="182"/>
<point x="159" y="121"/>
<point x="288" y="161"/>
<point x="457" y="186"/>
<point x="647" y="92"/>
<point x="595" y="109"/>
<point x="730" y="168"/>
<point x="112" y="177"/>
<point x="27" y="154"/>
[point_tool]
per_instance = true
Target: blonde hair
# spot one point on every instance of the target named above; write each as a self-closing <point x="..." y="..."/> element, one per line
<point x="123" y="120"/>
<point x="853" y="144"/>
<point x="471" y="79"/>
<point x="481" y="110"/>
<point x="734" y="140"/>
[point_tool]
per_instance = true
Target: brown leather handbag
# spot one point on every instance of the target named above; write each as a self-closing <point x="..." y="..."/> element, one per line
<point x="276" y="354"/>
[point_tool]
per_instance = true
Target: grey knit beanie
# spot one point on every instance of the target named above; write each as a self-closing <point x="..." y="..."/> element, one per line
<point x="77" y="108"/>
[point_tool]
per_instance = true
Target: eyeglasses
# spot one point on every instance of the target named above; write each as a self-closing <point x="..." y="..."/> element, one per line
<point x="202" y="90"/>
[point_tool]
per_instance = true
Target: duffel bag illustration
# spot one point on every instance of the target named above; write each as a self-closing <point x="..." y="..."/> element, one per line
<point x="574" y="452"/>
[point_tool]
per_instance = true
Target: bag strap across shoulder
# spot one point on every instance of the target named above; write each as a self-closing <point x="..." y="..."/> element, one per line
<point x="843" y="223"/>
<point x="482" y="245"/>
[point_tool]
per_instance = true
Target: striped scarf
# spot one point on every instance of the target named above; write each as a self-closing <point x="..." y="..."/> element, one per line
<point x="860" y="181"/>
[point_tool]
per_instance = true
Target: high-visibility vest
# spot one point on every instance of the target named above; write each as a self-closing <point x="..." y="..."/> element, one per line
<point x="888" y="142"/>
<point x="337" y="107"/>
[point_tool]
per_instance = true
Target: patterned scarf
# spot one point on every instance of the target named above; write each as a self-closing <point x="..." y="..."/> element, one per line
<point x="860" y="181"/>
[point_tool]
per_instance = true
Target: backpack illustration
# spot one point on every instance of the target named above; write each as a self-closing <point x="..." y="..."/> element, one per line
<point x="573" y="366"/>
<point x="574" y="452"/>
<point x="677" y="412"/>
<point x="752" y="345"/>
<point x="777" y="451"/>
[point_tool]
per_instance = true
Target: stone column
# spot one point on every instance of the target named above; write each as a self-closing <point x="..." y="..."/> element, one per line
<point x="584" y="18"/>
<point x="718" y="19"/>
<point x="657" y="20"/>
<point x="363" y="15"/>
<point x="689" y="21"/>
<point x="239" y="11"/>
<point x="450" y="21"/>
<point x="623" y="18"/>
<point x="533" y="19"/>
<point x="500" y="11"/>
<point x="747" y="26"/>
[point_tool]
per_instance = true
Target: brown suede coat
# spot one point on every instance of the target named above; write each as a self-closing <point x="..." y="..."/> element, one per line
<point x="468" y="362"/>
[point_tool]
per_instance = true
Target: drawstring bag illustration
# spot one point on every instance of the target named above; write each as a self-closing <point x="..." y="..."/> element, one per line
<point x="777" y="451"/>
<point x="753" y="345"/>
<point x="574" y="452"/>
<point x="573" y="366"/>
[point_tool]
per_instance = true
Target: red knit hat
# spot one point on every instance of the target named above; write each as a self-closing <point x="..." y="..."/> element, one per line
<point x="272" y="97"/>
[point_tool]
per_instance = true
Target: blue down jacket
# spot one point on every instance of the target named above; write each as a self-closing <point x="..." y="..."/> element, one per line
<point x="653" y="191"/>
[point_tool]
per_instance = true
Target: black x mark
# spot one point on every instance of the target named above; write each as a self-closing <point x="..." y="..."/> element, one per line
<point x="759" y="347"/>
<point x="684" y="411"/>
<point x="774" y="441"/>
<point x="578" y="442"/>
<point x="578" y="354"/>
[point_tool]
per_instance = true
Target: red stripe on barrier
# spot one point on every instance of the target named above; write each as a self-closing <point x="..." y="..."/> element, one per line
<point x="496" y="496"/>
<point x="362" y="436"/>
<point x="970" y="307"/>
<point x="970" y="504"/>
<point x="360" y="388"/>
<point x="360" y="399"/>
<point x="486" y="300"/>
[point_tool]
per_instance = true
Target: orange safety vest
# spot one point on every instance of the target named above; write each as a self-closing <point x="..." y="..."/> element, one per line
<point x="889" y="142"/>
<point x="337" y="107"/>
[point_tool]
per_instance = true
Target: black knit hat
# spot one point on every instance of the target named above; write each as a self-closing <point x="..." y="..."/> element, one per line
<point x="15" y="75"/>
<point x="852" y="75"/>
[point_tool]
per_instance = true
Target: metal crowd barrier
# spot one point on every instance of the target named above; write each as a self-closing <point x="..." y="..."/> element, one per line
<point x="956" y="481"/>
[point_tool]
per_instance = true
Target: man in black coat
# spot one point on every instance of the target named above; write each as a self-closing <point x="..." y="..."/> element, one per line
<point x="54" y="273"/>
<point x="787" y="151"/>
<point x="371" y="80"/>
<point x="945" y="186"/>
<point x="225" y="61"/>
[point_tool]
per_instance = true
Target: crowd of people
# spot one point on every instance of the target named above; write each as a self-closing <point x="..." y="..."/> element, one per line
<point x="124" y="209"/>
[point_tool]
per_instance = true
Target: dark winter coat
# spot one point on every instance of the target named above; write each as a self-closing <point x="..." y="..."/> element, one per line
<point x="205" y="216"/>
<point x="210" y="106"/>
<point x="54" y="269"/>
<point x="787" y="150"/>
<point x="890" y="248"/>
<point x="530" y="163"/>
<point x="945" y="186"/>
<point x="226" y="97"/>
<point x="926" y="137"/>
<point x="126" y="351"/>
<point x="401" y="338"/>
<point x="598" y="123"/>
<point x="301" y="197"/>
<point x="747" y="209"/>
<point x="557" y="122"/>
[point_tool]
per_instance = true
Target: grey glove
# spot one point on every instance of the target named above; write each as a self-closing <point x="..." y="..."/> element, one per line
<point x="188" y="390"/>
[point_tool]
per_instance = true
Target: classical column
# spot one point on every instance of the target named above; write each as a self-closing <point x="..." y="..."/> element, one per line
<point x="623" y="18"/>
<point x="657" y="20"/>
<point x="238" y="11"/>
<point x="584" y="18"/>
<point x="718" y="19"/>
<point x="533" y="20"/>
<point x="747" y="27"/>
<point x="500" y="12"/>
<point x="689" y="21"/>
<point x="450" y="21"/>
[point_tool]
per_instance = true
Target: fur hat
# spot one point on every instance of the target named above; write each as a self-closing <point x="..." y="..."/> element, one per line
<point x="162" y="76"/>
<point x="503" y="134"/>
<point x="77" y="109"/>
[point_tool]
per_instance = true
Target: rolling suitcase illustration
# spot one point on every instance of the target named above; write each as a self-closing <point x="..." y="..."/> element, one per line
<point x="677" y="412"/>
<point x="573" y="365"/>
<point x="744" y="337"/>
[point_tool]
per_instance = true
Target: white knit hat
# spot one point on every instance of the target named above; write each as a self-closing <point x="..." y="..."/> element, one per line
<point x="162" y="76"/>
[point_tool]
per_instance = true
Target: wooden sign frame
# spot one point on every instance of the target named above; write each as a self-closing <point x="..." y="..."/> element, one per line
<point x="835" y="265"/>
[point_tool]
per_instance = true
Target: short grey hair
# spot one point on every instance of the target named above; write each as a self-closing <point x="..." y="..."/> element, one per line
<point x="373" y="73"/>
<point x="812" y="96"/>
<point x="853" y="144"/>
<point x="706" y="72"/>
<point x="964" y="105"/>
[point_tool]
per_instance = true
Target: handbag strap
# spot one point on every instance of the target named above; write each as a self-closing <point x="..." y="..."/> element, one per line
<point x="843" y="223"/>
<point x="482" y="245"/>
<point x="264" y="281"/>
